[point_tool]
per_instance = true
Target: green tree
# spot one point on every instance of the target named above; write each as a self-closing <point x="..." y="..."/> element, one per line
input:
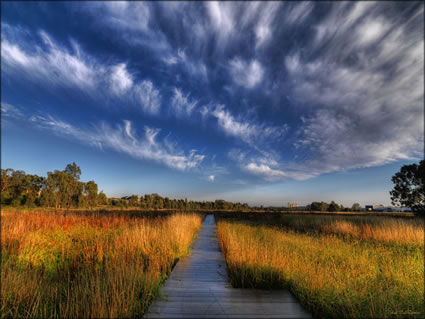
<point x="74" y="170"/>
<point x="316" y="206"/>
<point x="91" y="191"/>
<point x="409" y="188"/>
<point x="34" y="184"/>
<point x="333" y="207"/>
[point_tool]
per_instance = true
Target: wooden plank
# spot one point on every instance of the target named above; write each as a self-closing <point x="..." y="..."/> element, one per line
<point x="198" y="287"/>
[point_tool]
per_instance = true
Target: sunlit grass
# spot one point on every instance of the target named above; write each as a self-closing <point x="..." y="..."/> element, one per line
<point x="87" y="265"/>
<point x="396" y="230"/>
<point x="346" y="269"/>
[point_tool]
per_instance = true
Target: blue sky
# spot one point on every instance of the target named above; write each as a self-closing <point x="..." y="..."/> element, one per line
<point x="260" y="102"/>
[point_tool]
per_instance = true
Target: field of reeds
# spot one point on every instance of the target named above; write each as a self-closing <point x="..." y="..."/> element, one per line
<point x="337" y="266"/>
<point x="88" y="265"/>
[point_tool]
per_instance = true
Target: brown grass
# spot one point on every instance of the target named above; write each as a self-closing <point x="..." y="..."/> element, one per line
<point x="87" y="265"/>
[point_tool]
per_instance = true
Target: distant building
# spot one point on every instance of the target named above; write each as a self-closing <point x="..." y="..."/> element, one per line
<point x="292" y="205"/>
<point x="370" y="208"/>
<point x="382" y="208"/>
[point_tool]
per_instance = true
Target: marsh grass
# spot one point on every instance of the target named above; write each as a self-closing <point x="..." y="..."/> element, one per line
<point x="88" y="265"/>
<point x="408" y="230"/>
<point x="336" y="268"/>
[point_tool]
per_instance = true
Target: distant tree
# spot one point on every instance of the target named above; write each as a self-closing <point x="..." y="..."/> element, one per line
<point x="32" y="192"/>
<point x="19" y="185"/>
<point x="6" y="177"/>
<point x="158" y="201"/>
<point x="133" y="200"/>
<point x="316" y="206"/>
<point x="409" y="188"/>
<point x="102" y="199"/>
<point x="148" y="199"/>
<point x="356" y="207"/>
<point x="91" y="191"/>
<point x="333" y="207"/>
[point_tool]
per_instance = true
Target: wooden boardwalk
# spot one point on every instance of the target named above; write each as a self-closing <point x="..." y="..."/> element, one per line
<point x="198" y="287"/>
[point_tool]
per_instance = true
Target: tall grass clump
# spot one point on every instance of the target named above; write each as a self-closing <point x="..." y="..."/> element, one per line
<point x="87" y="265"/>
<point x="333" y="275"/>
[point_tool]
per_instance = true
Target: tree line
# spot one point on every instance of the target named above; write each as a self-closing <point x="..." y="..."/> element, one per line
<point x="60" y="189"/>
<point x="155" y="201"/>
<point x="63" y="189"/>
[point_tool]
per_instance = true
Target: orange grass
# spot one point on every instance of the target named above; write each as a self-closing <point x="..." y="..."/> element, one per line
<point x="87" y="265"/>
<point x="364" y="274"/>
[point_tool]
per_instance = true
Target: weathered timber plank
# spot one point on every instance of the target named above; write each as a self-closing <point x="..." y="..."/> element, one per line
<point x="198" y="287"/>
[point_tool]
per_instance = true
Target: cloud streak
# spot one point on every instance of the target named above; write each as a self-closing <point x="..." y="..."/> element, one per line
<point x="124" y="139"/>
<point x="247" y="131"/>
<point x="55" y="65"/>
<point x="368" y="110"/>
<point x="182" y="103"/>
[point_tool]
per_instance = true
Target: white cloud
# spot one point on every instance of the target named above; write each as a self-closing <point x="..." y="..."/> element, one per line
<point x="248" y="131"/>
<point x="299" y="12"/>
<point x="211" y="178"/>
<point x="371" y="30"/>
<point x="340" y="21"/>
<point x="221" y="16"/>
<point x="148" y="96"/>
<point x="8" y="110"/>
<point x="233" y="127"/>
<point x="194" y="67"/>
<point x="55" y="65"/>
<point x="264" y="14"/>
<point x="124" y="139"/>
<point x="246" y="74"/>
<point x="367" y="112"/>
<point x="170" y="60"/>
<point x="265" y="172"/>
<point x="181" y="103"/>
<point x="126" y="15"/>
<point x="121" y="79"/>
<point x="269" y="166"/>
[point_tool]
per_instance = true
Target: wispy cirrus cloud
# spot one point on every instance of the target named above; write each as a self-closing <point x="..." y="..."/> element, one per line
<point x="368" y="110"/>
<point x="124" y="139"/>
<point x="11" y="111"/>
<point x="195" y="68"/>
<point x="246" y="74"/>
<point x="182" y="103"/>
<point x="248" y="131"/>
<point x="55" y="65"/>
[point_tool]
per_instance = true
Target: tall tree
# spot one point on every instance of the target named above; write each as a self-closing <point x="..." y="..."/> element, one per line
<point x="409" y="188"/>
<point x="74" y="170"/>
